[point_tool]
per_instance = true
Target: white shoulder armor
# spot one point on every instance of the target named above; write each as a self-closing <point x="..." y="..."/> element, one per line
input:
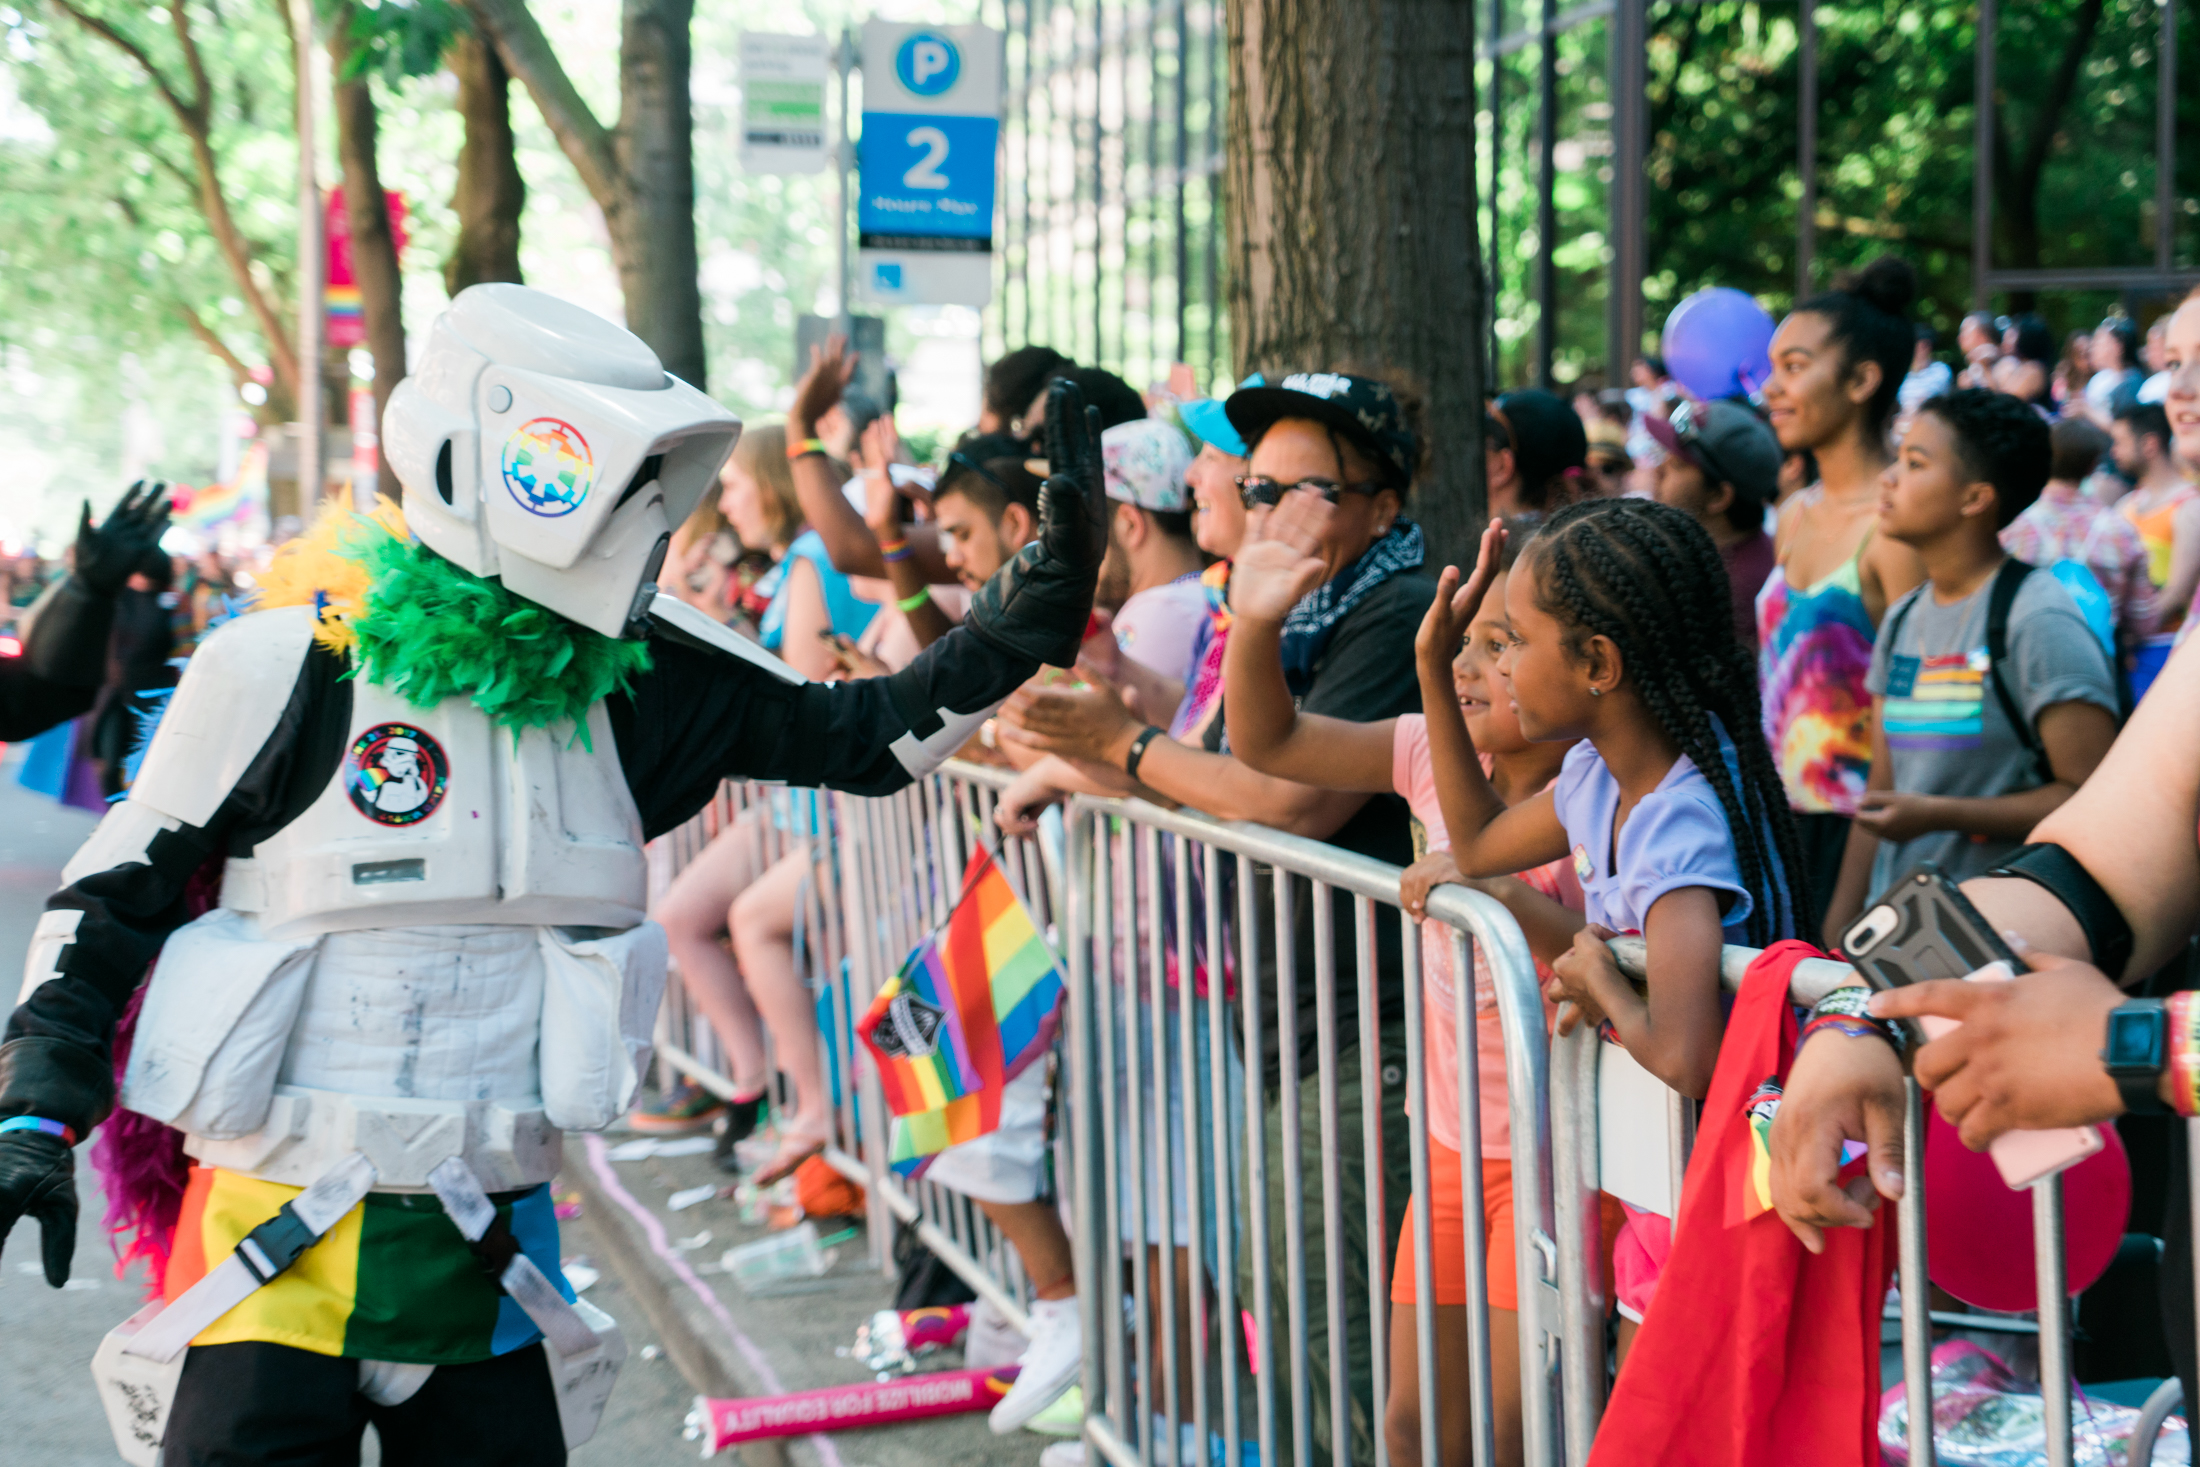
<point x="233" y="693"/>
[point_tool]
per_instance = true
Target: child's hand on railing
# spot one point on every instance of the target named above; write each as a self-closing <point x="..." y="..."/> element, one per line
<point x="1575" y="975"/>
<point x="1022" y="803"/>
<point x="1435" y="869"/>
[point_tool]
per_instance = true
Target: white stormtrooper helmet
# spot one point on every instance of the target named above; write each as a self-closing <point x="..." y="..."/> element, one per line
<point x="540" y="444"/>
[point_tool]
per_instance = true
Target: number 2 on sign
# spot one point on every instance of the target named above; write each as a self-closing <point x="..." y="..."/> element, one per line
<point x="925" y="172"/>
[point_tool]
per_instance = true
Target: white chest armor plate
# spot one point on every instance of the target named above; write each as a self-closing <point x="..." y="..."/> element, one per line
<point x="439" y="816"/>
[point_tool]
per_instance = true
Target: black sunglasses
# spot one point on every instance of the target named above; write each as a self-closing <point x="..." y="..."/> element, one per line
<point x="965" y="461"/>
<point x="1256" y="490"/>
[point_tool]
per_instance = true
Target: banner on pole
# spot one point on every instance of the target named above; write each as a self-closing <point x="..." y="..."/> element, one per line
<point x="929" y="160"/>
<point x="783" y="80"/>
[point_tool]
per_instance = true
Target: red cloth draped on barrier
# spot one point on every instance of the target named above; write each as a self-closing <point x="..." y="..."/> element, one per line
<point x="1754" y="1350"/>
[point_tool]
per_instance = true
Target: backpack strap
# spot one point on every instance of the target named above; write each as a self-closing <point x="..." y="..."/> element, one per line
<point x="2007" y="582"/>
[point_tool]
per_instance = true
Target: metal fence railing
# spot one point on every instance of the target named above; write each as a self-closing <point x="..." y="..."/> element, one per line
<point x="1243" y="1077"/>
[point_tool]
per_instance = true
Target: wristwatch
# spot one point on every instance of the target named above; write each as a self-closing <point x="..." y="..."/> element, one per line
<point x="2137" y="1052"/>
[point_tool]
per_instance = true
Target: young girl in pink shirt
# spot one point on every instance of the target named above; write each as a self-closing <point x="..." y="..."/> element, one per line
<point x="1267" y="733"/>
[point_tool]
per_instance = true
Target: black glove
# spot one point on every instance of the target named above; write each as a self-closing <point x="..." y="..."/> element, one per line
<point x="108" y="553"/>
<point x="1035" y="607"/>
<point x="38" y="1180"/>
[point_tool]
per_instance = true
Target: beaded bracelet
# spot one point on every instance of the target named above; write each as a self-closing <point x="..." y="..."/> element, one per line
<point x="804" y="448"/>
<point x="2184" y="1052"/>
<point x="42" y="1126"/>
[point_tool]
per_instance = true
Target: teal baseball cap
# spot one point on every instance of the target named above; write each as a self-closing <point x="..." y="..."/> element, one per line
<point x="1205" y="419"/>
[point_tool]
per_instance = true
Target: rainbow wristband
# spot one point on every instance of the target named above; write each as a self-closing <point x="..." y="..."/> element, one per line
<point x="2184" y="1052"/>
<point x="41" y="1125"/>
<point x="804" y="448"/>
<point x="896" y="550"/>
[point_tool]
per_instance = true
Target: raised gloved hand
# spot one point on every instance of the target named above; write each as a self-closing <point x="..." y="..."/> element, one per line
<point x="1036" y="606"/>
<point x="108" y="552"/>
<point x="38" y="1181"/>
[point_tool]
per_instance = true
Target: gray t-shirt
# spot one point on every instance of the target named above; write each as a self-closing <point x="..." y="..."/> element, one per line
<point x="1945" y="728"/>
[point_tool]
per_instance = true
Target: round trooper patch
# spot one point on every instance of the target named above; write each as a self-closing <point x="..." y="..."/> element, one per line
<point x="396" y="774"/>
<point x="548" y="467"/>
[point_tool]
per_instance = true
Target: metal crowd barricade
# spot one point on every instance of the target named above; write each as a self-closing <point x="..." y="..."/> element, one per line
<point x="1165" y="911"/>
<point x="883" y="873"/>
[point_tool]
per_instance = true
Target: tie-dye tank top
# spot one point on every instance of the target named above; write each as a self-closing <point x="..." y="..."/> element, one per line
<point x="1815" y="645"/>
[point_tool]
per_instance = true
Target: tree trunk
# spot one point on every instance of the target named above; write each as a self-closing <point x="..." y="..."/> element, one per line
<point x="652" y="221"/>
<point x="1352" y="232"/>
<point x="490" y="193"/>
<point x="373" y="244"/>
<point x="641" y="174"/>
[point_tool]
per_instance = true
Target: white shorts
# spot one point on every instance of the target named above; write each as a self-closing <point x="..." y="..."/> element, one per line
<point x="1008" y="1163"/>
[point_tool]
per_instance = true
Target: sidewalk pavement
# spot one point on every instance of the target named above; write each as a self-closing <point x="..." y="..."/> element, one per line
<point x="726" y="1342"/>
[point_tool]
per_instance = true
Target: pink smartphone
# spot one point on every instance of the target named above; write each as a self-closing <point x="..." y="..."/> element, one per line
<point x="2024" y="1157"/>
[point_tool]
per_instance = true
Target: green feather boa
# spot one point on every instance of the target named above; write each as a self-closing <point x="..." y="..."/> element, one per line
<point x="430" y="630"/>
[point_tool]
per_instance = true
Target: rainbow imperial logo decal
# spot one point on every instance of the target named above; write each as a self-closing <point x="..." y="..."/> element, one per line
<point x="396" y="774"/>
<point x="548" y="467"/>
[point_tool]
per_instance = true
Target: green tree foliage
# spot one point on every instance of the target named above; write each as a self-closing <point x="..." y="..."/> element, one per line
<point x="2074" y="171"/>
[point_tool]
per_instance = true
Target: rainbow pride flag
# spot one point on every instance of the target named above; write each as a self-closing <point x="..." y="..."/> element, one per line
<point x="972" y="1007"/>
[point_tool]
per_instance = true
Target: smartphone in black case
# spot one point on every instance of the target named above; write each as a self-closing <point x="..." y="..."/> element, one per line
<point x="1919" y="929"/>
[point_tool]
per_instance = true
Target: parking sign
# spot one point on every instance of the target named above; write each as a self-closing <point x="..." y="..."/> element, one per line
<point x="927" y="164"/>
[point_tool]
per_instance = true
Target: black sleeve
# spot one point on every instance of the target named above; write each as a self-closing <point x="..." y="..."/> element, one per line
<point x="698" y="717"/>
<point x="30" y="704"/>
<point x="129" y="909"/>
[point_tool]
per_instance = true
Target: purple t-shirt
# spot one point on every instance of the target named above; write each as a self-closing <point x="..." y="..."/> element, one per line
<point x="1677" y="837"/>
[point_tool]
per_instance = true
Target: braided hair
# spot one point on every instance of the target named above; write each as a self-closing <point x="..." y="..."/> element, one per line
<point x="1648" y="577"/>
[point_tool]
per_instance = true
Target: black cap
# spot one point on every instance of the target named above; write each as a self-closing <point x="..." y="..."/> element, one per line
<point x="1547" y="436"/>
<point x="1364" y="409"/>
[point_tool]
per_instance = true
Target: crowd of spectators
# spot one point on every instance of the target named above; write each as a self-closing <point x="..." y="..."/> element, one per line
<point x="1722" y="670"/>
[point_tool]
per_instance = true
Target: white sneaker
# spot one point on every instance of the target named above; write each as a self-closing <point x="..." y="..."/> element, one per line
<point x="992" y="1341"/>
<point x="1069" y="1453"/>
<point x="1050" y="1365"/>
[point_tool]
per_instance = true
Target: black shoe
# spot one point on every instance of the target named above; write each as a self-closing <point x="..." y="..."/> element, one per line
<point x="742" y="1117"/>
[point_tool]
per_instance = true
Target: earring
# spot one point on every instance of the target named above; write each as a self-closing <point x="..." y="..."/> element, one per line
<point x="1596" y="692"/>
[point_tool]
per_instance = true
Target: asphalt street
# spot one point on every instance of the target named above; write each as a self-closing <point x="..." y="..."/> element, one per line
<point x="47" y="1337"/>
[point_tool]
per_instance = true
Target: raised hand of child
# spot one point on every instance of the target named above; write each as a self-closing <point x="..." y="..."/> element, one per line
<point x="1280" y="560"/>
<point x="1444" y="629"/>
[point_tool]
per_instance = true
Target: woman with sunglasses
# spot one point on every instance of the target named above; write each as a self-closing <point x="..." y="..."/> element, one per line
<point x="1838" y="362"/>
<point x="1348" y="652"/>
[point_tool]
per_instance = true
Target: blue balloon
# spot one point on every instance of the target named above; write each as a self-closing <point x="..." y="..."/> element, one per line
<point x="1715" y="343"/>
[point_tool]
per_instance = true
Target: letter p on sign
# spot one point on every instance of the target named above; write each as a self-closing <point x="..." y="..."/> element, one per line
<point x="927" y="64"/>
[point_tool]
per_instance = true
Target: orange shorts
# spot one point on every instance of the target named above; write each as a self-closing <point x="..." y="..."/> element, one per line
<point x="1447" y="1227"/>
<point x="1448" y="1233"/>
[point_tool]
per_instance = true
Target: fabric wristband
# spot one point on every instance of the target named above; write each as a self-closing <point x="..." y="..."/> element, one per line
<point x="911" y="603"/>
<point x="804" y="448"/>
<point x="41" y="1125"/>
<point x="892" y="550"/>
<point x="1137" y="752"/>
<point x="1849" y="1003"/>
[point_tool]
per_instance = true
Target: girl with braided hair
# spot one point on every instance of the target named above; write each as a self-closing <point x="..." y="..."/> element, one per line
<point x="1622" y="636"/>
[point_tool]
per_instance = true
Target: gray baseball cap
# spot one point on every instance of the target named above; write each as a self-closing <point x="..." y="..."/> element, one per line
<point x="1728" y="441"/>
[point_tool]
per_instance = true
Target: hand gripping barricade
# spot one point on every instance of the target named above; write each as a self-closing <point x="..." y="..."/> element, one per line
<point x="430" y="954"/>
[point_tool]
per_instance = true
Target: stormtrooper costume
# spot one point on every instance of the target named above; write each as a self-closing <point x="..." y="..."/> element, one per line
<point x="431" y="954"/>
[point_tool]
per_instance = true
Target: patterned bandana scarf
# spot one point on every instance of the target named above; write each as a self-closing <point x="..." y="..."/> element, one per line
<point x="1307" y="630"/>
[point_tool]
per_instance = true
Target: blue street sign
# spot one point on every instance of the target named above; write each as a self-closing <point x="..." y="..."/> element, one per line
<point x="927" y="181"/>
